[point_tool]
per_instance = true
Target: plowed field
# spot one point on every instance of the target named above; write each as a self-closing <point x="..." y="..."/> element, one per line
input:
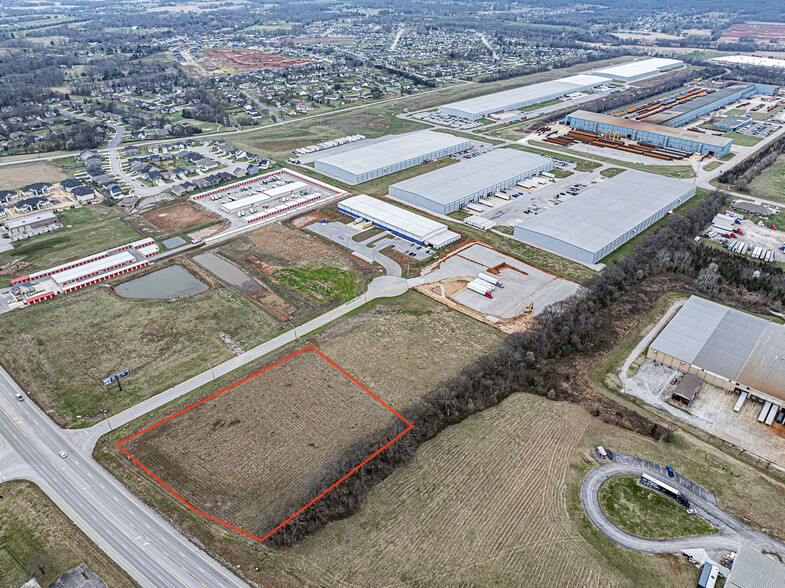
<point x="244" y="453"/>
<point x="250" y="60"/>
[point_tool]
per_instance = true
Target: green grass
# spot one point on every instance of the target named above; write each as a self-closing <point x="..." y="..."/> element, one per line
<point x="713" y="165"/>
<point x="45" y="541"/>
<point x="459" y="215"/>
<point x="561" y="173"/>
<point x="743" y="140"/>
<point x="645" y="513"/>
<point x="770" y="184"/>
<point x="581" y="164"/>
<point x="94" y="228"/>
<point x="320" y="283"/>
<point x="63" y="348"/>
<point x="611" y="171"/>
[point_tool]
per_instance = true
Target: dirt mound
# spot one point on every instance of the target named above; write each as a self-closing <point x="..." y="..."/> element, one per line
<point x="180" y="217"/>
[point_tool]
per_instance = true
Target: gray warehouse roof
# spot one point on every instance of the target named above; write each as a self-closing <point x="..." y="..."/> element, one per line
<point x="451" y="183"/>
<point x="733" y="344"/>
<point x="601" y="214"/>
<point x="752" y="569"/>
<point x="502" y="100"/>
<point x="23" y="221"/>
<point x="398" y="148"/>
<point x="697" y="104"/>
<point x="637" y="68"/>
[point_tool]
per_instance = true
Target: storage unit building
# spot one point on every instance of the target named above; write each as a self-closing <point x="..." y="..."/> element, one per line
<point x="639" y="130"/>
<point x="452" y="187"/>
<point x="587" y="227"/>
<point x="399" y="221"/>
<point x="725" y="347"/>
<point x="476" y="108"/>
<point x="638" y="70"/>
<point x="366" y="162"/>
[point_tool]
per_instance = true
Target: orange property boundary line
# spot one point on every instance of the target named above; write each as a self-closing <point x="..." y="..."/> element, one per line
<point x="225" y="524"/>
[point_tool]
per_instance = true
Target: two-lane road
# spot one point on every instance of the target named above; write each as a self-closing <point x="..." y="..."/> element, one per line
<point x="147" y="547"/>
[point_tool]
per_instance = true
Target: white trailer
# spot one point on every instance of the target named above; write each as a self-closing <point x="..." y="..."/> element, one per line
<point x="502" y="195"/>
<point x="476" y="286"/>
<point x="541" y="180"/>
<point x="756" y="252"/>
<point x="485" y="202"/>
<point x="775" y="408"/>
<point x="490" y="279"/>
<point x="740" y="402"/>
<point x="661" y="485"/>
<point x="601" y="451"/>
<point x="475" y="207"/>
<point x="547" y="174"/>
<point x="744" y="248"/>
<point x="764" y="412"/>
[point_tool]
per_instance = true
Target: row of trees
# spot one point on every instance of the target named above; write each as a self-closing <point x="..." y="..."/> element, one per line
<point x="529" y="361"/>
<point x="742" y="174"/>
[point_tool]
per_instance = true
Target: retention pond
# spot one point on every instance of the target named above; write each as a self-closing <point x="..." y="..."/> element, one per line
<point x="173" y="281"/>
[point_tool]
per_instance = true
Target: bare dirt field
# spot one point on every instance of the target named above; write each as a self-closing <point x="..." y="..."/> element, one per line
<point x="756" y="31"/>
<point x="244" y="453"/>
<point x="16" y="176"/>
<point x="177" y="218"/>
<point x="250" y="60"/>
<point x="45" y="541"/>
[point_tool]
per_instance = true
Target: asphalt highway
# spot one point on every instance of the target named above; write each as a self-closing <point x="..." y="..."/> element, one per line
<point x="152" y="552"/>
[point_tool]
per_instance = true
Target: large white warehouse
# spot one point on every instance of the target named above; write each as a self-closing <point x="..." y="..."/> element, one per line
<point x="587" y="227"/>
<point x="476" y="108"/>
<point x="449" y="188"/>
<point x="639" y="70"/>
<point x="399" y="221"/>
<point x="366" y="162"/>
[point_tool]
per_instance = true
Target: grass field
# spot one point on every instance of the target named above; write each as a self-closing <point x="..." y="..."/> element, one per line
<point x="770" y="184"/>
<point x="645" y="513"/>
<point x="611" y="171"/>
<point x="92" y="229"/>
<point x="304" y="274"/>
<point x="45" y="541"/>
<point x="742" y="139"/>
<point x="242" y="454"/>
<point x="62" y="349"/>
<point x="488" y="502"/>
<point x="400" y="349"/>
<point x="16" y="176"/>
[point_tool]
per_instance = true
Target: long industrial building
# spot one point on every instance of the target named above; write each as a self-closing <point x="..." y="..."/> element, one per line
<point x="590" y="225"/>
<point x="399" y="221"/>
<point x="366" y="162"/>
<point x="639" y="70"/>
<point x="476" y="108"/>
<point x="450" y="188"/>
<point x="725" y="347"/>
<point x="646" y="132"/>
<point x="689" y="111"/>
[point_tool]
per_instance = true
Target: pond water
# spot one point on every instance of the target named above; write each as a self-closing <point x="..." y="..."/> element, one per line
<point x="173" y="281"/>
<point x="226" y="271"/>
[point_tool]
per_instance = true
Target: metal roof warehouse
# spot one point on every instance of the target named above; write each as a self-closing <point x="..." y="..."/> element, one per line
<point x="476" y="108"/>
<point x="725" y="347"/>
<point x="449" y="188"/>
<point x="639" y="130"/>
<point x="399" y="221"/>
<point x="639" y="70"/>
<point x="587" y="227"/>
<point x="366" y="162"/>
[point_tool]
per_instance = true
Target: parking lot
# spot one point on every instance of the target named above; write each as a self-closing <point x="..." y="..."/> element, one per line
<point x="758" y="129"/>
<point x="446" y="120"/>
<point x="215" y="201"/>
<point x="527" y="202"/>
<point x="523" y="285"/>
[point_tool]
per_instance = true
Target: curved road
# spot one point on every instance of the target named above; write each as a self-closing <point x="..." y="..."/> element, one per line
<point x="733" y="532"/>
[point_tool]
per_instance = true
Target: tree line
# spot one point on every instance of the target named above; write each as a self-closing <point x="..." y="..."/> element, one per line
<point x="742" y="174"/>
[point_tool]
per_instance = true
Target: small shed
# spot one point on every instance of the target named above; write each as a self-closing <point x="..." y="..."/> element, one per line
<point x="687" y="388"/>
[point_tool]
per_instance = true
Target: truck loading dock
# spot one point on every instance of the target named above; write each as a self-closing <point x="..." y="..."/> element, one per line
<point x="399" y="221"/>
<point x="450" y="188"/>
<point x="366" y="162"/>
<point x="725" y="347"/>
<point x="590" y="225"/>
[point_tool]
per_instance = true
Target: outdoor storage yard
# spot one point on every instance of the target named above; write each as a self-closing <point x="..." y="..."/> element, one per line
<point x="524" y="284"/>
<point x="241" y="455"/>
<point x="179" y="217"/>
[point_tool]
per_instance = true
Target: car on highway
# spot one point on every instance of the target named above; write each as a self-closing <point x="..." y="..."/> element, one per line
<point x="63" y="454"/>
<point x="19" y="397"/>
<point x="670" y="471"/>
